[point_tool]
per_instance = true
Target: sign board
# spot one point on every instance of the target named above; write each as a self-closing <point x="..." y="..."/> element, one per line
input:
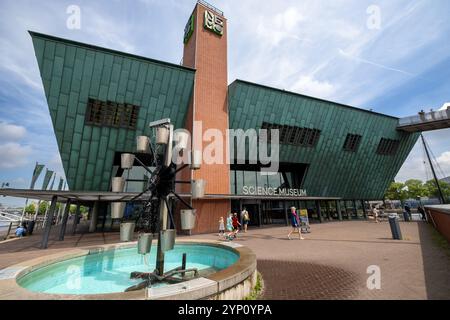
<point x="304" y="221"/>
<point x="269" y="191"/>
<point x="189" y="29"/>
<point x="213" y="23"/>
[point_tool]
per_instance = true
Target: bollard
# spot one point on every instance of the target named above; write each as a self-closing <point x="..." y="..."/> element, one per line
<point x="395" y="227"/>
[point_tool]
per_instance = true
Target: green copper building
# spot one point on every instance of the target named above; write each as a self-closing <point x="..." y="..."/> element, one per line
<point x="100" y="100"/>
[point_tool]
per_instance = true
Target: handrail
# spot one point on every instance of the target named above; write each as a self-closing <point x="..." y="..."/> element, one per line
<point x="425" y="117"/>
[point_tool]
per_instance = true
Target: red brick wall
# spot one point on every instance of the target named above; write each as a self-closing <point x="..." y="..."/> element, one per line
<point x="441" y="220"/>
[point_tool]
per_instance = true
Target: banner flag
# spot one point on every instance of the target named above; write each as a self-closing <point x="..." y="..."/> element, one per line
<point x="60" y="185"/>
<point x="36" y="173"/>
<point x="53" y="182"/>
<point x="48" y="176"/>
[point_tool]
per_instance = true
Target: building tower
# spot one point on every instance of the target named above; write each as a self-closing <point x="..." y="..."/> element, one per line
<point x="205" y="49"/>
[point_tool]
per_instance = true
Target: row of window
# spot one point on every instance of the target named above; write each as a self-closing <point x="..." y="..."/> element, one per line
<point x="386" y="147"/>
<point x="297" y="136"/>
<point x="111" y="114"/>
<point x="306" y="137"/>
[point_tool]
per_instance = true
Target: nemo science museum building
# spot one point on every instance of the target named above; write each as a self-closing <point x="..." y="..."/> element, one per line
<point x="331" y="158"/>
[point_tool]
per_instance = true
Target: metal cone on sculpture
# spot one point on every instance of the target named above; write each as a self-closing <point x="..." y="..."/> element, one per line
<point x="145" y="243"/>
<point x="181" y="138"/>
<point x="143" y="144"/>
<point x="117" y="210"/>
<point x="198" y="189"/>
<point x="127" y="231"/>
<point x="118" y="184"/>
<point x="127" y="160"/>
<point x="188" y="218"/>
<point x="162" y="135"/>
<point x="167" y="240"/>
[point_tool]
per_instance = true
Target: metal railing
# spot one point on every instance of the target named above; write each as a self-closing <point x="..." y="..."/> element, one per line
<point x="10" y="221"/>
<point x="423" y="117"/>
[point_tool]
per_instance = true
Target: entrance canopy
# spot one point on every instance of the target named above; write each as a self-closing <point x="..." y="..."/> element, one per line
<point x="92" y="196"/>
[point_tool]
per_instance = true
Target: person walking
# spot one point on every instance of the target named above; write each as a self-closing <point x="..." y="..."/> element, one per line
<point x="295" y="222"/>
<point x="375" y="214"/>
<point x="236" y="225"/>
<point x="408" y="211"/>
<point x="245" y="219"/>
<point x="221" y="227"/>
<point x="422" y="213"/>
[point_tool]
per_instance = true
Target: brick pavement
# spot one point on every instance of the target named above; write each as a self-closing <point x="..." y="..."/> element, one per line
<point x="330" y="264"/>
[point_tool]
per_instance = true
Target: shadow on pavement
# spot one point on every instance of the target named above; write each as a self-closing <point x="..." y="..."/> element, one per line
<point x="436" y="262"/>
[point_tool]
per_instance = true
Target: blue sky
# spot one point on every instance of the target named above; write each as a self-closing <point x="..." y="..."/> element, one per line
<point x="317" y="47"/>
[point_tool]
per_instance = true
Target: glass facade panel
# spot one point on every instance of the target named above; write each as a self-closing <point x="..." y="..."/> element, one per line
<point x="274" y="180"/>
<point x="262" y="180"/>
<point x="250" y="179"/>
<point x="241" y="178"/>
<point x="239" y="182"/>
<point x="233" y="182"/>
<point x="140" y="175"/>
<point x="286" y="179"/>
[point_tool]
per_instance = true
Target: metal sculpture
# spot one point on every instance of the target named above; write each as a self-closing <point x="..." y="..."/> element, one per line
<point x="156" y="215"/>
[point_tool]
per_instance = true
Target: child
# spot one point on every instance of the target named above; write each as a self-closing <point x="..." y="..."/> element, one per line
<point x="236" y="224"/>
<point x="230" y="227"/>
<point x="221" y="227"/>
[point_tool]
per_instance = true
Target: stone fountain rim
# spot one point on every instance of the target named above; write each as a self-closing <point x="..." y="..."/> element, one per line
<point x="199" y="288"/>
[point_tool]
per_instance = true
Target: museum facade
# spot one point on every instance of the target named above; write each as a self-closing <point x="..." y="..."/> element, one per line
<point x="333" y="158"/>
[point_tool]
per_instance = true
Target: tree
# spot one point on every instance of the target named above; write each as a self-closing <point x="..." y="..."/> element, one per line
<point x="30" y="209"/>
<point x="43" y="207"/>
<point x="73" y="209"/>
<point x="397" y="191"/>
<point x="432" y="190"/>
<point x="416" y="188"/>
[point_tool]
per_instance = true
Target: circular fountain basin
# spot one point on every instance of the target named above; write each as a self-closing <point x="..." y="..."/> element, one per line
<point x="109" y="271"/>
<point x="104" y="272"/>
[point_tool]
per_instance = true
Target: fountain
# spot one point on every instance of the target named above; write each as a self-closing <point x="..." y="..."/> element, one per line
<point x="196" y="269"/>
<point x="161" y="186"/>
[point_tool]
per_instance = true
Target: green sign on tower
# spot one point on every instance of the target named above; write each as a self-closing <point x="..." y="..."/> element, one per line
<point x="189" y="29"/>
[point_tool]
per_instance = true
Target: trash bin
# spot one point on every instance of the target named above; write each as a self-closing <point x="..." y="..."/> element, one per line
<point x="30" y="227"/>
<point x="406" y="216"/>
<point x="395" y="227"/>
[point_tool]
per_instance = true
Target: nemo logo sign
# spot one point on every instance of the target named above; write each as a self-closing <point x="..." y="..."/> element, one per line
<point x="213" y="23"/>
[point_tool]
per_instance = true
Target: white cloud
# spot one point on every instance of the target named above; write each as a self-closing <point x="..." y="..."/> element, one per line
<point x="417" y="166"/>
<point x="309" y="86"/>
<point x="14" y="155"/>
<point x="19" y="183"/>
<point x="284" y="25"/>
<point x="106" y="31"/>
<point x="11" y="132"/>
<point x="445" y="106"/>
<point x="444" y="163"/>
